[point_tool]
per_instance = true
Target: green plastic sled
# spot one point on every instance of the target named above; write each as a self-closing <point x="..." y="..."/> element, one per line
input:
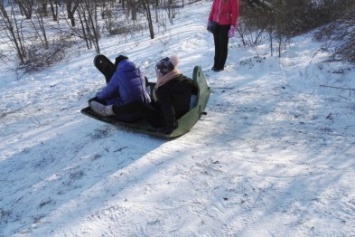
<point x="185" y="123"/>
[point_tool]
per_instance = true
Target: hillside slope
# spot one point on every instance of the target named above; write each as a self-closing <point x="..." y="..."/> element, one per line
<point x="274" y="156"/>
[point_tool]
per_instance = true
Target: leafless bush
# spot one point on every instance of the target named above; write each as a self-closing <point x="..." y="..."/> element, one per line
<point x="116" y="27"/>
<point x="2" y="56"/>
<point x="250" y="36"/>
<point x="28" y="30"/>
<point x="347" y="51"/>
<point x="259" y="17"/>
<point x="342" y="33"/>
<point x="39" y="58"/>
<point x="122" y="28"/>
<point x="285" y="19"/>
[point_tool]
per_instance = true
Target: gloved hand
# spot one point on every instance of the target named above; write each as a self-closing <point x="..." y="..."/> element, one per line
<point x="211" y="26"/>
<point x="119" y="59"/>
<point x="208" y="25"/>
<point x="97" y="100"/>
<point x="231" y="32"/>
<point x="92" y="99"/>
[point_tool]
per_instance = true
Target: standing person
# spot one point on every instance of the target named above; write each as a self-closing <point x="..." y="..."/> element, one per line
<point x="222" y="22"/>
<point x="125" y="86"/>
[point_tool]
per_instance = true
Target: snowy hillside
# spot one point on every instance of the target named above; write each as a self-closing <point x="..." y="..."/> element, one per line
<point x="274" y="156"/>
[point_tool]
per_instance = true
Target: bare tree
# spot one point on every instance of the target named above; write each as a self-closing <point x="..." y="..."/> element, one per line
<point x="54" y="5"/>
<point x="39" y="28"/>
<point x="146" y="7"/>
<point x="12" y="29"/>
<point x="29" y="39"/>
<point x="26" y="7"/>
<point x="43" y="7"/>
<point x="87" y="13"/>
<point x="133" y="9"/>
<point x="72" y="6"/>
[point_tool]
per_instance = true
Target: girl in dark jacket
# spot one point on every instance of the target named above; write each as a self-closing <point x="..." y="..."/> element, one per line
<point x="127" y="85"/>
<point x="172" y="95"/>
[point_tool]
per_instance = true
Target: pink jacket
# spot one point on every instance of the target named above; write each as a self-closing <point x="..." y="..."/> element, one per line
<point x="224" y="12"/>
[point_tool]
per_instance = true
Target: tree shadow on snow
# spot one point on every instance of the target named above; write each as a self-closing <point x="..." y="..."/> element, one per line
<point x="67" y="171"/>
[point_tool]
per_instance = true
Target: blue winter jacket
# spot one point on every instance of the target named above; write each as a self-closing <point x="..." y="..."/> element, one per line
<point x="126" y="85"/>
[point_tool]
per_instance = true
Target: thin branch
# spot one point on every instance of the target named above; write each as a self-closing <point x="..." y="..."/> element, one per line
<point x="336" y="87"/>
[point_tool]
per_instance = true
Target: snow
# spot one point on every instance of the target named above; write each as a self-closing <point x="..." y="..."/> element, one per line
<point x="274" y="156"/>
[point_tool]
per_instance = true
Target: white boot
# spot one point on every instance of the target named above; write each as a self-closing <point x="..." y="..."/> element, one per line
<point x="108" y="110"/>
<point x="104" y="110"/>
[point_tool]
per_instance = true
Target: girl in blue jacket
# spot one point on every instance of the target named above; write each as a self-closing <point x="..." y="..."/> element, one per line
<point x="127" y="85"/>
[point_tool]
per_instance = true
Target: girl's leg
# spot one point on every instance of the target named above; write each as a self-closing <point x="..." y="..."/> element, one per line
<point x="105" y="66"/>
<point x="216" y="48"/>
<point x="221" y="46"/>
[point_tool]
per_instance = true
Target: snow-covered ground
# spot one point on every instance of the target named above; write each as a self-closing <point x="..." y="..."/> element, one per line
<point x="274" y="156"/>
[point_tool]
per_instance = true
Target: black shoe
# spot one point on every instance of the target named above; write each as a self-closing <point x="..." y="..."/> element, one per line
<point x="216" y="69"/>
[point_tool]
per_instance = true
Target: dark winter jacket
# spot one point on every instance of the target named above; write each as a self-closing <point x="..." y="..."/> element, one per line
<point x="173" y="99"/>
<point x="224" y="12"/>
<point x="126" y="85"/>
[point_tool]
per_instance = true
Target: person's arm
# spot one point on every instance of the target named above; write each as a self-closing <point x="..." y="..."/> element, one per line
<point x="194" y="89"/>
<point x="192" y="84"/>
<point x="210" y="17"/>
<point x="234" y="12"/>
<point x="111" y="89"/>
